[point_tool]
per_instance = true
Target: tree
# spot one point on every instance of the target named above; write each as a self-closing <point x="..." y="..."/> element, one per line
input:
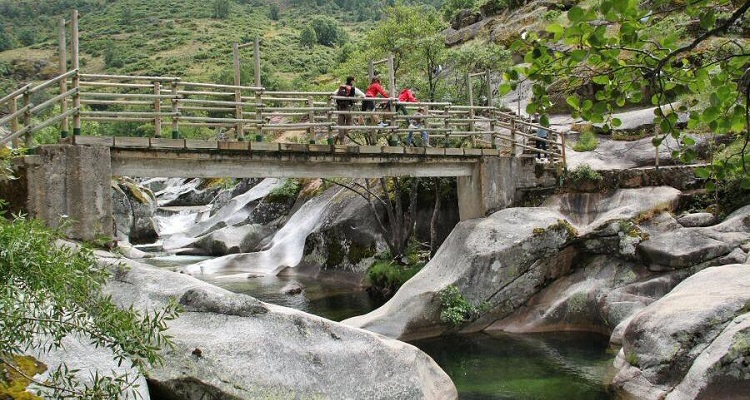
<point x="308" y="38"/>
<point x="327" y="31"/>
<point x="682" y="57"/>
<point x="50" y="292"/>
<point x="220" y="9"/>
<point x="390" y="195"/>
<point x="273" y="12"/>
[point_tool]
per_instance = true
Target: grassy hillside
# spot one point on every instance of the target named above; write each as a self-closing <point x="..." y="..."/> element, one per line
<point x="186" y="38"/>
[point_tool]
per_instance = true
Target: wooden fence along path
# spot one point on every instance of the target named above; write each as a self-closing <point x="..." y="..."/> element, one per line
<point x="250" y="113"/>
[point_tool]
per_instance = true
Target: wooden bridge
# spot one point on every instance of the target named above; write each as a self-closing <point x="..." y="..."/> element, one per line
<point x="227" y="117"/>
<point x="165" y="126"/>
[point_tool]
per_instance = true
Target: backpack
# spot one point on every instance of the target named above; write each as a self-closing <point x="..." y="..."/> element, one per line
<point x="345" y="91"/>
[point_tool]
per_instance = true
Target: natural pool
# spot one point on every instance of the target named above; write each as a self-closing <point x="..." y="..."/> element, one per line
<point x="558" y="366"/>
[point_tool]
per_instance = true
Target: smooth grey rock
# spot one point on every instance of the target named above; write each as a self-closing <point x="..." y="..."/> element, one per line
<point x="591" y="211"/>
<point x="79" y="354"/>
<point x="721" y="370"/>
<point x="676" y="339"/>
<point x="292" y="288"/>
<point x="479" y="257"/>
<point x="232" y="346"/>
<point x="681" y="248"/>
<point x="697" y="220"/>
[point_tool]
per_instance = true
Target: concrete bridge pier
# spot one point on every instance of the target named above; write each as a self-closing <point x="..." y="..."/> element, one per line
<point x="68" y="187"/>
<point x="491" y="187"/>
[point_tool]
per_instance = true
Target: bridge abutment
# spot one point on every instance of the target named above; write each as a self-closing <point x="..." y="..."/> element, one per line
<point x="68" y="187"/>
<point x="490" y="187"/>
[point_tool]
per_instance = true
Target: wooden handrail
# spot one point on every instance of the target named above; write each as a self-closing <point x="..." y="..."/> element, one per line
<point x="142" y="102"/>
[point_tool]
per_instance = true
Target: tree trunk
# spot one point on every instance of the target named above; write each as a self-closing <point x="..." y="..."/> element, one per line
<point x="434" y="219"/>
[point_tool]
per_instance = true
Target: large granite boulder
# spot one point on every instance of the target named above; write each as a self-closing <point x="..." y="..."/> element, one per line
<point x="503" y="262"/>
<point x="693" y="342"/>
<point x="133" y="208"/>
<point x="230" y="345"/>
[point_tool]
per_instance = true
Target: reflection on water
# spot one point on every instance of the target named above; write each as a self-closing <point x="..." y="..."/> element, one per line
<point x="333" y="300"/>
<point x="557" y="366"/>
<point x="524" y="366"/>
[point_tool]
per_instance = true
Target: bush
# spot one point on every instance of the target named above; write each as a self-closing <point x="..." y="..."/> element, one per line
<point x="587" y="142"/>
<point x="455" y="309"/>
<point x="387" y="274"/>
<point x="584" y="172"/>
<point x="284" y="193"/>
<point x="54" y="292"/>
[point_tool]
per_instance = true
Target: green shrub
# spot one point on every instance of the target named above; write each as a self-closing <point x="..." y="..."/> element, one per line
<point x="455" y="309"/>
<point x="587" y="142"/>
<point x="286" y="192"/>
<point x="391" y="275"/>
<point x="584" y="172"/>
<point x="56" y="291"/>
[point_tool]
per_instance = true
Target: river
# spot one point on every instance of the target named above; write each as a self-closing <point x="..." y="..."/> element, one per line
<point x="483" y="366"/>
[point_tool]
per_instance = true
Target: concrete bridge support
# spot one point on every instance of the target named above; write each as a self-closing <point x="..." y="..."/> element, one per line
<point x="69" y="187"/>
<point x="491" y="187"/>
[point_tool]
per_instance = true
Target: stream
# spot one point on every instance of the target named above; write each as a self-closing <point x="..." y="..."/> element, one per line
<point x="483" y="366"/>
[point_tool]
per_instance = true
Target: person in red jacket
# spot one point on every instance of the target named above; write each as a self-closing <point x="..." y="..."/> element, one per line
<point x="374" y="90"/>
<point x="406" y="96"/>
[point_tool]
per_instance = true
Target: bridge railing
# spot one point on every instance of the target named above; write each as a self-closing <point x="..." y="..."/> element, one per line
<point x="227" y="112"/>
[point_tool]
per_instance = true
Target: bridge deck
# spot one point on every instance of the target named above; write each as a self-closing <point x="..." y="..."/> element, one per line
<point x="209" y="158"/>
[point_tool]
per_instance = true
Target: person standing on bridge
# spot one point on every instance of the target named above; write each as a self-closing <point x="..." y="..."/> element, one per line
<point x="345" y="106"/>
<point x="374" y="90"/>
<point x="541" y="141"/>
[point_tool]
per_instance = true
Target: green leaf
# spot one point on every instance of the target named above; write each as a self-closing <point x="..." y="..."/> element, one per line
<point x="504" y="89"/>
<point x="573" y="102"/>
<point x="708" y="19"/>
<point x="554" y="28"/>
<point x="601" y="79"/>
<point x="616" y="122"/>
<point x="702" y="172"/>
<point x="576" y="14"/>
<point x="578" y="55"/>
<point x="710" y="114"/>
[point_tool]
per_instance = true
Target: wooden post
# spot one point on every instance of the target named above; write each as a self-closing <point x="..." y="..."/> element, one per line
<point x="237" y="93"/>
<point x="26" y="122"/>
<point x="259" y="114"/>
<point x="370" y="72"/>
<point x="513" y="136"/>
<point x="446" y="125"/>
<point x="62" y="45"/>
<point x="471" y="108"/>
<point x="256" y="54"/>
<point x="14" y="121"/>
<point x="489" y="89"/>
<point x="391" y="76"/>
<point x="175" y="112"/>
<point x="77" y="76"/>
<point x="562" y="151"/>
<point x="311" y="117"/>
<point x="157" y="109"/>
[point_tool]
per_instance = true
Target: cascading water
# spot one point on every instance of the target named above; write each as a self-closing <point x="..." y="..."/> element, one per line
<point x="185" y="228"/>
<point x="285" y="250"/>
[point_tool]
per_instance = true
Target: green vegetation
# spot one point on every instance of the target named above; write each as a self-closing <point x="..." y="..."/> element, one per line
<point x="685" y="58"/>
<point x="390" y="275"/>
<point x="587" y="142"/>
<point x="584" y="172"/>
<point x="286" y="192"/>
<point x="14" y="385"/>
<point x="56" y="292"/>
<point x="455" y="309"/>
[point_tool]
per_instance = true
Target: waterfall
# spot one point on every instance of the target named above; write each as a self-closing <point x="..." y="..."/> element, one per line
<point x="186" y="227"/>
<point x="285" y="250"/>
